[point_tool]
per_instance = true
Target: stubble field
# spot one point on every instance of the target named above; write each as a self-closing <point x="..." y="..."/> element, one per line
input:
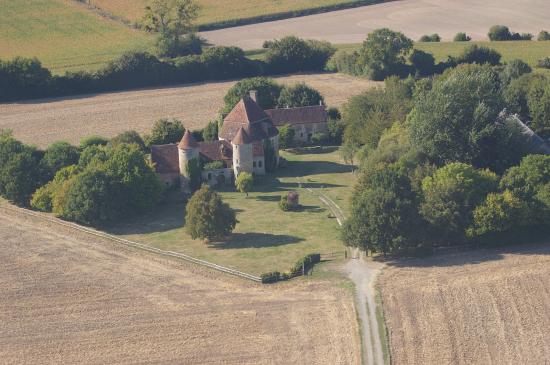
<point x="69" y="298"/>
<point x="488" y="307"/>
<point x="42" y="122"/>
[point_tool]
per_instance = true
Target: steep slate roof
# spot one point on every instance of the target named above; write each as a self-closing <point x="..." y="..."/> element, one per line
<point x="537" y="143"/>
<point x="165" y="157"/>
<point x="247" y="114"/>
<point x="187" y="142"/>
<point x="301" y="115"/>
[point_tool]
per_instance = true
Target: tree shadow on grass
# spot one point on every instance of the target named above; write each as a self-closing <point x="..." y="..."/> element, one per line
<point x="255" y="240"/>
<point x="472" y="257"/>
<point x="269" y="198"/>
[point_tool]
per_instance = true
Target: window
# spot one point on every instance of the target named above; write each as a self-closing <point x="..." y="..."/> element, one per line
<point x="254" y="164"/>
<point x="209" y="176"/>
<point x="237" y="161"/>
<point x="259" y="163"/>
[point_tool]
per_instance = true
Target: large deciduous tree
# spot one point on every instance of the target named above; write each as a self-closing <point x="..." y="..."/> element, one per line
<point x="207" y="216"/>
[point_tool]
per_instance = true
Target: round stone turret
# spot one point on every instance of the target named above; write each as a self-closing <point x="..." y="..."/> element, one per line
<point x="243" y="156"/>
<point x="188" y="149"/>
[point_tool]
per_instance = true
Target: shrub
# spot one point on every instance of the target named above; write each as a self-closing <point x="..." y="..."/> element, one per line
<point x="23" y="78"/>
<point x="207" y="216"/>
<point x="513" y="70"/>
<point x="499" y="33"/>
<point x="422" y="62"/>
<point x="543" y="36"/>
<point x="544" y="63"/>
<point x="430" y="38"/>
<point x="292" y="54"/>
<point x="244" y="182"/>
<point x="223" y="63"/>
<point x="214" y="165"/>
<point x="290" y="202"/>
<point x="42" y="199"/>
<point x="462" y="37"/>
<point x="93" y="141"/>
<point x="270" y="277"/>
<point x="480" y="55"/>
<point x="305" y="263"/>
<point x="132" y="70"/>
<point x="210" y="132"/>
<point x="127" y="137"/>
<point x="286" y="136"/>
<point x="165" y="131"/>
<point x="190" y="44"/>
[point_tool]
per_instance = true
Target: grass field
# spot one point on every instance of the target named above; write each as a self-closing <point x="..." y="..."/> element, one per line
<point x="71" y="298"/>
<point x="265" y="238"/>
<point x="482" y="307"/>
<point x="64" y="35"/>
<point x="215" y="10"/>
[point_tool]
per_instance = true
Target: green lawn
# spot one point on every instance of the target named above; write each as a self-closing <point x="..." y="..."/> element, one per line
<point x="265" y="238"/>
<point x="64" y="35"/>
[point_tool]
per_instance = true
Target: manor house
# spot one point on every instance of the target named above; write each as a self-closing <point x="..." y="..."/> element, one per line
<point x="247" y="140"/>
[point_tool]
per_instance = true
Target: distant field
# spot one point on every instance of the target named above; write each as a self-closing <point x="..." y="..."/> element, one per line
<point x="266" y="238"/>
<point x="216" y="10"/>
<point x="483" y="307"/>
<point x="63" y="34"/>
<point x="42" y="122"/>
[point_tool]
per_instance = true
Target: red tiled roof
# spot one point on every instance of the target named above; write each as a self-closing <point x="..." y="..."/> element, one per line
<point x="301" y="115"/>
<point x="241" y="137"/>
<point x="187" y="142"/>
<point x="166" y="159"/>
<point x="217" y="151"/>
<point x="246" y="111"/>
<point x="250" y="116"/>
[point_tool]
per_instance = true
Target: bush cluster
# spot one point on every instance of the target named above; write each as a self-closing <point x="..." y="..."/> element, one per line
<point x="296" y="270"/>
<point x="502" y="33"/>
<point x="430" y="38"/>
<point x="22" y="78"/>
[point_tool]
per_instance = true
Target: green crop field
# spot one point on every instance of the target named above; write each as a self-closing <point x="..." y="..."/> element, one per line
<point x="64" y="35"/>
<point x="216" y="10"/>
<point x="266" y="238"/>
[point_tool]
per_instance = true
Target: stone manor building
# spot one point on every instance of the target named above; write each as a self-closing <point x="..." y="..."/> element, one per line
<point x="246" y="139"/>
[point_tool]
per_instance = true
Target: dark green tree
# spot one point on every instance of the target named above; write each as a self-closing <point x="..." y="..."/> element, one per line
<point x="384" y="53"/>
<point x="165" y="131"/>
<point x="451" y="195"/>
<point x="268" y="93"/>
<point x="208" y="217"/>
<point x="56" y="157"/>
<point x="286" y="136"/>
<point x="299" y="95"/>
<point x="128" y="137"/>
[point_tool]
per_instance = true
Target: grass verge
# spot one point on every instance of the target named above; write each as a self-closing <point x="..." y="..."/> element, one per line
<point x="382" y="329"/>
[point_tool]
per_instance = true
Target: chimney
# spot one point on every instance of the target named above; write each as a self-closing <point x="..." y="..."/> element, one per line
<point x="253" y="95"/>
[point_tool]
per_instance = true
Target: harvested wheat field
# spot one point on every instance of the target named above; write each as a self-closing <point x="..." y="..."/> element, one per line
<point x="489" y="307"/>
<point x="42" y="122"/>
<point x="73" y="299"/>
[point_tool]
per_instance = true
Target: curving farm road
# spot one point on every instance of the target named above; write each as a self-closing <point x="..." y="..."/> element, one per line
<point x="414" y="17"/>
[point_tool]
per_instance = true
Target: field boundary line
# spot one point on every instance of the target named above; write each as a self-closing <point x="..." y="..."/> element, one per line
<point x="134" y="244"/>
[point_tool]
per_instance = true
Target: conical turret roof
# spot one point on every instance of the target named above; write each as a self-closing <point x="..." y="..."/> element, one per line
<point x="188" y="142"/>
<point x="241" y="137"/>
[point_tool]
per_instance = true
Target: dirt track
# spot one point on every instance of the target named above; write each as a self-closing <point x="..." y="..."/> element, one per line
<point x="414" y="17"/>
<point x="45" y="121"/>
<point x="68" y="298"/>
<point x="491" y="307"/>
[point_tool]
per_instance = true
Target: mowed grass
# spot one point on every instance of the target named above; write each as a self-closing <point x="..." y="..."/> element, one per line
<point x="265" y="238"/>
<point x="64" y="35"/>
<point x="216" y="10"/>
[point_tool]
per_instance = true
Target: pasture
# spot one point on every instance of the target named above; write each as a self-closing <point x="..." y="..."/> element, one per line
<point x="266" y="238"/>
<point x="64" y="35"/>
<point x="481" y="307"/>
<point x="42" y="122"/>
<point x="69" y="297"/>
